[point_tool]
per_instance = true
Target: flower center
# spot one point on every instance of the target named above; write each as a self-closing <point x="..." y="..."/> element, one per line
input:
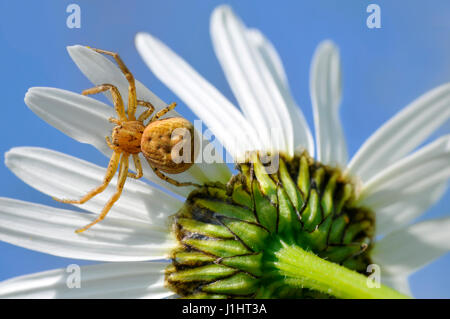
<point x="229" y="236"/>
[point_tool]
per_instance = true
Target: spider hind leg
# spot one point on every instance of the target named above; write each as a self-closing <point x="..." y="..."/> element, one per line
<point x="110" y="172"/>
<point x="123" y="170"/>
<point x="171" y="180"/>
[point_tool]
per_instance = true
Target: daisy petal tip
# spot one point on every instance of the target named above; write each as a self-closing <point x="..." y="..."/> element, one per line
<point x="12" y="153"/>
<point x="31" y="90"/>
<point x="145" y="41"/>
<point x="12" y="158"/>
<point x="220" y="14"/>
<point x="222" y="9"/>
<point x="33" y="93"/>
<point x="328" y="44"/>
<point x="78" y="48"/>
<point x="6" y="159"/>
<point x="84" y="57"/>
<point x="73" y="50"/>
<point x="26" y="98"/>
<point x="139" y="36"/>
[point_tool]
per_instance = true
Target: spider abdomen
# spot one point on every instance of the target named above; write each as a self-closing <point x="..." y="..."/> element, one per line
<point x="168" y="144"/>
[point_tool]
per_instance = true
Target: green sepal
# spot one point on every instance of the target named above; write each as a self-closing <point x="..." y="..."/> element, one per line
<point x="318" y="177"/>
<point x="340" y="253"/>
<point x="251" y="234"/>
<point x="317" y="239"/>
<point x="353" y="230"/>
<point x="242" y="197"/>
<point x="216" y="191"/>
<point x="303" y="180"/>
<point x="192" y="258"/>
<point x="312" y="214"/>
<point x="337" y="229"/>
<point x="207" y="229"/>
<point x="266" y="212"/>
<point x="290" y="187"/>
<point x="267" y="185"/>
<point x="288" y="222"/>
<point x="345" y="197"/>
<point x="218" y="247"/>
<point x="249" y="263"/>
<point x="202" y="273"/>
<point x="327" y="197"/>
<point x="225" y="209"/>
<point x="239" y="284"/>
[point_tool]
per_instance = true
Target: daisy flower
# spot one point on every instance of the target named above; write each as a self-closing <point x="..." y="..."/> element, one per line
<point x="369" y="203"/>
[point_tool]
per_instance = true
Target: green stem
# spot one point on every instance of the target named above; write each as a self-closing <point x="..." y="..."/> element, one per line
<point x="304" y="269"/>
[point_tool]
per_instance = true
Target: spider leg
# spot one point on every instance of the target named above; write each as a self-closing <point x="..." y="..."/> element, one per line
<point x="117" y="98"/>
<point x="171" y="180"/>
<point x="120" y="184"/>
<point x="131" y="82"/>
<point x="145" y="115"/>
<point x="138" y="166"/>
<point x="110" y="144"/>
<point x="163" y="111"/>
<point x="115" y="121"/>
<point x="110" y="172"/>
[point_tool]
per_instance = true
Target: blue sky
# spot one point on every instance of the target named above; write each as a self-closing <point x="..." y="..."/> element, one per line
<point x="383" y="70"/>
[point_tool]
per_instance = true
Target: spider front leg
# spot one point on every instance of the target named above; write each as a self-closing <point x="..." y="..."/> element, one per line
<point x="132" y="101"/>
<point x="146" y="114"/>
<point x="163" y="111"/>
<point x="117" y="98"/>
<point x="111" y="145"/>
<point x="123" y="170"/>
<point x="110" y="172"/>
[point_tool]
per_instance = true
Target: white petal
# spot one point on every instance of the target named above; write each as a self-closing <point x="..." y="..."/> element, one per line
<point x="416" y="173"/>
<point x="86" y="120"/>
<point x="402" y="133"/>
<point x="302" y="134"/>
<point x="407" y="250"/>
<point x="63" y="176"/>
<point x="399" y="283"/>
<point x="52" y="231"/>
<point x="406" y="208"/>
<point x="251" y="81"/>
<point x="326" y="94"/>
<point x="99" y="70"/>
<point x="113" y="280"/>
<point x="227" y="123"/>
<point x="80" y="117"/>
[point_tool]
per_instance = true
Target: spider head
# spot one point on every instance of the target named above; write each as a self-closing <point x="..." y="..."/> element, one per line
<point x="127" y="136"/>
